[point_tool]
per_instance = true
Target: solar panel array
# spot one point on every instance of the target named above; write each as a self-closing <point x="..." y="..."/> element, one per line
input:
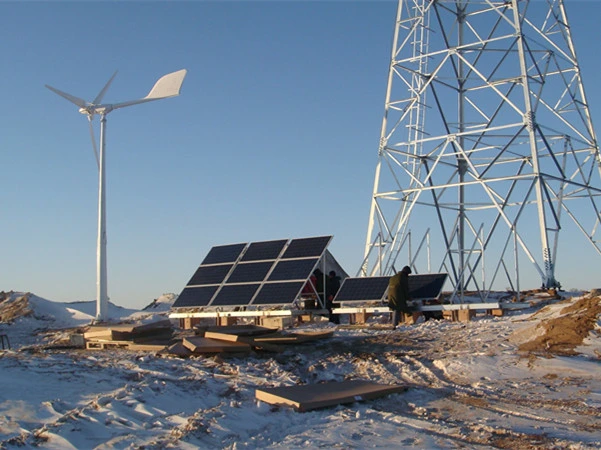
<point x="259" y="273"/>
<point x="424" y="286"/>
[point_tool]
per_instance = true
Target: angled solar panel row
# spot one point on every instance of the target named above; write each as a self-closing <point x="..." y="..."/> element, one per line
<point x="423" y="286"/>
<point x="260" y="273"/>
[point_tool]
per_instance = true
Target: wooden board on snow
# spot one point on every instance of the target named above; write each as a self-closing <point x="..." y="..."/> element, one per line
<point x="313" y="396"/>
<point x="179" y="349"/>
<point x="250" y="340"/>
<point x="118" y="332"/>
<point x="294" y="338"/>
<point x="199" y="344"/>
<point x="240" y="330"/>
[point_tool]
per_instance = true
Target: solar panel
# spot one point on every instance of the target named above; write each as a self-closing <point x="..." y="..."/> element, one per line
<point x="306" y="247"/>
<point x="362" y="289"/>
<point x="257" y="273"/>
<point x="295" y="269"/>
<point x="264" y="250"/>
<point x="235" y="294"/>
<point x="209" y="275"/>
<point x="195" y="296"/>
<point x="247" y="272"/>
<point x="278" y="293"/>
<point x="223" y="253"/>
<point x="421" y="286"/>
<point x="427" y="285"/>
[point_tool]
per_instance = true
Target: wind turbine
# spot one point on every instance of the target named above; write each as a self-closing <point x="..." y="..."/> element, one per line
<point x="167" y="86"/>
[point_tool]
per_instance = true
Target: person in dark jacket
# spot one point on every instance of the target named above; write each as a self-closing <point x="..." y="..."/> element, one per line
<point x="398" y="294"/>
<point x="332" y="286"/>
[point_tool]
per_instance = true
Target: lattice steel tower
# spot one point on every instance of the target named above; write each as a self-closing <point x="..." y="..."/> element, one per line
<point x="487" y="147"/>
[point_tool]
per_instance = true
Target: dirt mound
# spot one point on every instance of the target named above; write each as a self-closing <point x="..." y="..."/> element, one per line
<point x="562" y="334"/>
<point x="13" y="306"/>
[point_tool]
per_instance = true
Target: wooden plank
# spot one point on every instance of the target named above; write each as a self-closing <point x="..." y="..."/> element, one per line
<point x="242" y="330"/>
<point x="294" y="338"/>
<point x="250" y="340"/>
<point x="146" y="347"/>
<point x="313" y="396"/>
<point x="199" y="344"/>
<point x="123" y="332"/>
<point x="179" y="349"/>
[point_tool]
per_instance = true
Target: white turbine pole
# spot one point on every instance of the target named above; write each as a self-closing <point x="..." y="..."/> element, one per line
<point x="167" y="86"/>
<point x="101" y="273"/>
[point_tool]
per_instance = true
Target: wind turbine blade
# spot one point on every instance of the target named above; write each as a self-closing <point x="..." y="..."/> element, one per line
<point x="78" y="101"/>
<point x="167" y="86"/>
<point x="93" y="140"/>
<point x="98" y="98"/>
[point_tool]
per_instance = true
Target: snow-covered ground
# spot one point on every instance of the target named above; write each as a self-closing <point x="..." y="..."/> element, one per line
<point x="469" y="386"/>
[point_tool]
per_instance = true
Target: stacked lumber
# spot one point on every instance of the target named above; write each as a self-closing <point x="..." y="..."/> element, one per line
<point x="154" y="336"/>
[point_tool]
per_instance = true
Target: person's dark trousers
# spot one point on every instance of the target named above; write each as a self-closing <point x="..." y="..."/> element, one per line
<point x="396" y="317"/>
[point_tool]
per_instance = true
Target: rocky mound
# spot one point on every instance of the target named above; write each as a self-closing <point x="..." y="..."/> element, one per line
<point x="563" y="327"/>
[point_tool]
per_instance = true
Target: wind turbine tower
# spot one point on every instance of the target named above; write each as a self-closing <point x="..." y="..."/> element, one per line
<point x="167" y="86"/>
<point x="487" y="148"/>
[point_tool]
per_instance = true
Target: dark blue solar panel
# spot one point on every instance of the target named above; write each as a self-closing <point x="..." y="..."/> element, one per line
<point x="195" y="296"/>
<point x="247" y="272"/>
<point x="235" y="295"/>
<point x="362" y="289"/>
<point x="264" y="250"/>
<point x="306" y="247"/>
<point x="427" y="285"/>
<point x="278" y="293"/>
<point x="209" y="275"/>
<point x="423" y="286"/>
<point x="223" y="254"/>
<point x="296" y="269"/>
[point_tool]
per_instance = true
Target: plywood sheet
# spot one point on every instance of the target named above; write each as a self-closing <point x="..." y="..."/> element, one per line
<point x="241" y="330"/>
<point x="250" y="340"/>
<point x="313" y="396"/>
<point x="120" y="332"/>
<point x="179" y="349"/>
<point x="294" y="338"/>
<point x="199" y="344"/>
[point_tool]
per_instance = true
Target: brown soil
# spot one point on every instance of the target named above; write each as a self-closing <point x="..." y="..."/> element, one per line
<point x="561" y="335"/>
<point x="11" y="310"/>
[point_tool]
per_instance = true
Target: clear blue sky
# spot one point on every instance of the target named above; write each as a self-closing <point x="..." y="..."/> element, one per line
<point x="274" y="135"/>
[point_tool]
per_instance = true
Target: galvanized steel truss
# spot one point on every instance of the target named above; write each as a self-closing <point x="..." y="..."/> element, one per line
<point x="486" y="141"/>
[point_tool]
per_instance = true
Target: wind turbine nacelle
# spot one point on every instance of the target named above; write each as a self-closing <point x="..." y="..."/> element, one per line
<point x="96" y="109"/>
